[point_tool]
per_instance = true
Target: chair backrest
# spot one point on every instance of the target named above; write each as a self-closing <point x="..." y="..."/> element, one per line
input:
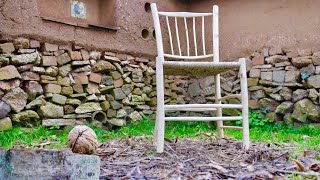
<point x="184" y="16"/>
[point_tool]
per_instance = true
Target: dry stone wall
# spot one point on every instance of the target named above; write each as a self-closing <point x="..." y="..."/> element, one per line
<point x="284" y="85"/>
<point x="48" y="84"/>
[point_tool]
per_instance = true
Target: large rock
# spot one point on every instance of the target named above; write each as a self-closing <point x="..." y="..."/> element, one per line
<point x="118" y="94"/>
<point x="59" y="122"/>
<point x="268" y="104"/>
<point x="33" y="89"/>
<point x="301" y="62"/>
<point x="276" y="59"/>
<point x="314" y="81"/>
<point x="59" y="99"/>
<point x="26" y="118"/>
<point x="47" y="164"/>
<point x="299" y="94"/>
<point x="4" y="60"/>
<point x="64" y="70"/>
<point x="6" y="48"/>
<point x="115" y="105"/>
<point x="286" y="93"/>
<point x="35" y="104"/>
<point x="278" y="76"/>
<point x="134" y="116"/>
<point x="17" y="99"/>
<point x="50" y="110"/>
<point x="306" y="72"/>
<point x="5" y="124"/>
<point x="9" y="72"/>
<point x="305" y="109"/>
<point x="21" y="43"/>
<point x="194" y="89"/>
<point x="63" y="59"/>
<point x="101" y="66"/>
<point x="285" y="107"/>
<point x="88" y="107"/>
<point x="52" y="88"/>
<point x="117" y="122"/>
<point x="4" y="109"/>
<point x="25" y="59"/>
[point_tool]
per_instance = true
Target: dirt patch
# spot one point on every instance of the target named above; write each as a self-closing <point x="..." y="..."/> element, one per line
<point x="135" y="158"/>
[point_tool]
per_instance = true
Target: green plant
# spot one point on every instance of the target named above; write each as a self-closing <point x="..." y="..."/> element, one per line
<point x="257" y="120"/>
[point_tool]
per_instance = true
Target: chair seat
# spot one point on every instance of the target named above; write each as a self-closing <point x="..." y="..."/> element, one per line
<point x="197" y="68"/>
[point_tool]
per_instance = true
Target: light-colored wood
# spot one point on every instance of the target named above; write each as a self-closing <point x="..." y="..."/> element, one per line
<point x="232" y="96"/>
<point x="181" y="106"/>
<point x="157" y="28"/>
<point x="160" y="117"/>
<point x="227" y="118"/>
<point x="188" y="57"/>
<point x="170" y="36"/>
<point x="184" y="14"/>
<point x="195" y="36"/>
<point x="177" y="34"/>
<point x="192" y="109"/>
<point x="215" y="33"/>
<point x="187" y="35"/>
<point x="232" y="127"/>
<point x="203" y="42"/>
<point x="244" y="101"/>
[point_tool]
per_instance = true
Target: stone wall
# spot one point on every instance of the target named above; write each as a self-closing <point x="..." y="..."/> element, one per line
<point x="284" y="84"/>
<point x="48" y="84"/>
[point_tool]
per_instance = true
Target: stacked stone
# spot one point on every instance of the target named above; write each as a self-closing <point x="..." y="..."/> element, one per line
<point x="285" y="85"/>
<point x="43" y="83"/>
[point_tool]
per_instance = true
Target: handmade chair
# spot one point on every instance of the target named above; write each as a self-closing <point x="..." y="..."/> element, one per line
<point x="196" y="68"/>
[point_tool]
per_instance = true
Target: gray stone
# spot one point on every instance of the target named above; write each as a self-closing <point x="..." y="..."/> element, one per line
<point x="85" y="68"/>
<point x="194" y="89"/>
<point x="118" y="94"/>
<point x="121" y="113"/>
<point x="23" y="59"/>
<point x="283" y="64"/>
<point x="305" y="109"/>
<point x="80" y="63"/>
<point x="59" y="122"/>
<point x="115" y="75"/>
<point x="284" y="108"/>
<point x="59" y="99"/>
<point x="9" y="72"/>
<point x="106" y="89"/>
<point x="134" y="116"/>
<point x="64" y="70"/>
<point x="7" y="48"/>
<point x="286" y="93"/>
<point x="291" y="76"/>
<point x="257" y="94"/>
<point x="287" y="118"/>
<point x="306" y="72"/>
<point x="75" y="102"/>
<point x="102" y="66"/>
<point x="50" y="110"/>
<point x="52" y="71"/>
<point x="276" y="59"/>
<point x="206" y="82"/>
<point x="268" y="104"/>
<point x="4" y="109"/>
<point x="4" y="60"/>
<point x="276" y="97"/>
<point x="88" y="107"/>
<point x="255" y="73"/>
<point x="92" y="97"/>
<point x="39" y="70"/>
<point x="117" y="122"/>
<point x="33" y="89"/>
<point x="48" y="164"/>
<point x="278" y="76"/>
<point x="299" y="94"/>
<point x="63" y="59"/>
<point x="266" y="76"/>
<point x="21" y="43"/>
<point x="107" y="80"/>
<point x="301" y="62"/>
<point x="111" y="59"/>
<point x="275" y="84"/>
<point x="314" y="81"/>
<point x="313" y="95"/>
<point x="17" y="99"/>
<point x="26" y="118"/>
<point x="5" y="124"/>
<point x="115" y="105"/>
<point x="35" y="104"/>
<point x="317" y="70"/>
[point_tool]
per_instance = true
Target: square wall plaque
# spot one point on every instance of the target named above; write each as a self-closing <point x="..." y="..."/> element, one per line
<point x="78" y="10"/>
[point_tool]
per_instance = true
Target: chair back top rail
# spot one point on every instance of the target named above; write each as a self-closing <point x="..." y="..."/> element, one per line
<point x="176" y="45"/>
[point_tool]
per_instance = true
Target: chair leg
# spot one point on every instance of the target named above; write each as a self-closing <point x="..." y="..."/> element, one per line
<point x="160" y="122"/>
<point x="244" y="100"/>
<point x="219" y="110"/>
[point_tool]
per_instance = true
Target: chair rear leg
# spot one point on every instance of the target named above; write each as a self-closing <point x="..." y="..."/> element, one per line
<point x="244" y="100"/>
<point x="219" y="110"/>
<point x="160" y="122"/>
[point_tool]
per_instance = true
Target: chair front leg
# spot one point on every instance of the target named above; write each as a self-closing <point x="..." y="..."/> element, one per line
<point x="160" y="122"/>
<point x="245" y="104"/>
<point x="219" y="110"/>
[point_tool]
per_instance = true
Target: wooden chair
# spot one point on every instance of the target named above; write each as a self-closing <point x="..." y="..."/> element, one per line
<point x="196" y="68"/>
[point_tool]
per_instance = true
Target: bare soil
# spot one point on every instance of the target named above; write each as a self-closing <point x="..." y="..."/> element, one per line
<point x="135" y="158"/>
